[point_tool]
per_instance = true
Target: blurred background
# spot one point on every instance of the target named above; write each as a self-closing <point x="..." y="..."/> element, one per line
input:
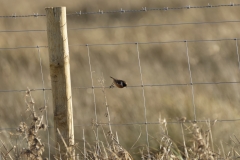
<point x="161" y="63"/>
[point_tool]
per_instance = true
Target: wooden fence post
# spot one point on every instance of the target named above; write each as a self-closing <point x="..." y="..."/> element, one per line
<point x="60" y="80"/>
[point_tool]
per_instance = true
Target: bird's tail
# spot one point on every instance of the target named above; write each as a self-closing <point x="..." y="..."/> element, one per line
<point x="112" y="77"/>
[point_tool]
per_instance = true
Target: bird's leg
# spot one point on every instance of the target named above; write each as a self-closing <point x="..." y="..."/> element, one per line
<point x="112" y="85"/>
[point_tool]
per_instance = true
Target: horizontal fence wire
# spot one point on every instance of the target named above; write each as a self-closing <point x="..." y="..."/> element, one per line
<point x="31" y="30"/>
<point x="130" y="26"/>
<point x="24" y="16"/>
<point x="24" y="47"/>
<point x="143" y="123"/>
<point x="154" y="25"/>
<point x="155" y="42"/>
<point x="133" y="86"/>
<point x="24" y="90"/>
<point x="143" y="9"/>
<point x="128" y="43"/>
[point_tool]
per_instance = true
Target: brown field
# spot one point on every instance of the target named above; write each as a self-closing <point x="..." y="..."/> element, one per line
<point x="161" y="63"/>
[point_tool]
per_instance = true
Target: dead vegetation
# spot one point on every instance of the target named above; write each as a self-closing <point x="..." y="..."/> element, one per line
<point x="162" y="64"/>
<point x="29" y="145"/>
<point x="199" y="146"/>
<point x="197" y="143"/>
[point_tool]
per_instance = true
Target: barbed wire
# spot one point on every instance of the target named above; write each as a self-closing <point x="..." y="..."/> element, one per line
<point x="143" y="9"/>
<point x="143" y="123"/>
<point x="24" y="16"/>
<point x="133" y="86"/>
<point x="129" y="26"/>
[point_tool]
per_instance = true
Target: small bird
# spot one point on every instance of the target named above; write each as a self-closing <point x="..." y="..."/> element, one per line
<point x="118" y="83"/>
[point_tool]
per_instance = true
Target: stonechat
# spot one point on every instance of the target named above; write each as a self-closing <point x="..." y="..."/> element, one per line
<point x="118" y="83"/>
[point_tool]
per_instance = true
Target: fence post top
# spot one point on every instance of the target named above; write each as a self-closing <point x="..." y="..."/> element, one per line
<point x="55" y="7"/>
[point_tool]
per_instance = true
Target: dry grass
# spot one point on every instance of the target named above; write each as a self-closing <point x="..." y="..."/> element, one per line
<point x="29" y="145"/>
<point x="199" y="146"/>
<point x="161" y="64"/>
<point x="197" y="143"/>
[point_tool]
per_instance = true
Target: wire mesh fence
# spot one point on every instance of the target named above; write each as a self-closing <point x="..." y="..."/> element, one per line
<point x="194" y="76"/>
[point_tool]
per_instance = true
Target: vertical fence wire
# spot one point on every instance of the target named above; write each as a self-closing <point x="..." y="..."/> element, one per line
<point x="144" y="99"/>
<point x="93" y="91"/>
<point x="191" y="82"/>
<point x="45" y="101"/>
<point x="237" y="54"/>
<point x="84" y="146"/>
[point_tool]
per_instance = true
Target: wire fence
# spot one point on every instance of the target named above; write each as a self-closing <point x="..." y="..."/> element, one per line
<point x="128" y="43"/>
<point x="143" y="85"/>
<point x="191" y="83"/>
<point x="130" y="26"/>
<point x="143" y="9"/>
